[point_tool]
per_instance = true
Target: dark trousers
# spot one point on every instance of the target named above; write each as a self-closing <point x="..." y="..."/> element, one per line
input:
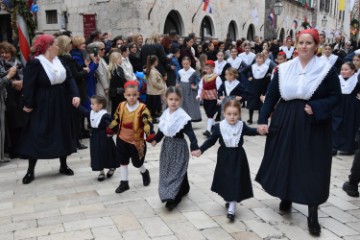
<point x="354" y="176"/>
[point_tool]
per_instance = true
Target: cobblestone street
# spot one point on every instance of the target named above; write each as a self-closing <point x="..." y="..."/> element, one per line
<point x="60" y="207"/>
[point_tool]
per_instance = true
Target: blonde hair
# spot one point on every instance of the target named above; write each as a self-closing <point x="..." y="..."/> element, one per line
<point x="112" y="62"/>
<point x="233" y="71"/>
<point x="77" y="41"/>
<point x="64" y="43"/>
<point x="153" y="39"/>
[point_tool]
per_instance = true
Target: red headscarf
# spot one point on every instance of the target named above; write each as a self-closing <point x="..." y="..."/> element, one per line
<point x="131" y="83"/>
<point x="313" y="32"/>
<point x="210" y="63"/>
<point x="41" y="44"/>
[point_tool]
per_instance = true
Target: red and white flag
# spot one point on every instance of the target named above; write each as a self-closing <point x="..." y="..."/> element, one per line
<point x="24" y="39"/>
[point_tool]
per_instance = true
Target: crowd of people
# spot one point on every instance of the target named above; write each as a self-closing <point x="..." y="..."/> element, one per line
<point x="74" y="88"/>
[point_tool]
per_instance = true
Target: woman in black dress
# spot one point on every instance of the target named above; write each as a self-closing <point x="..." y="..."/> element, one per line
<point x="297" y="161"/>
<point x="49" y="131"/>
<point x="117" y="81"/>
<point x="346" y="117"/>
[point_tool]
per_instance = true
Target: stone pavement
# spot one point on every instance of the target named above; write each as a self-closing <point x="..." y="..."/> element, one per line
<point x="80" y="207"/>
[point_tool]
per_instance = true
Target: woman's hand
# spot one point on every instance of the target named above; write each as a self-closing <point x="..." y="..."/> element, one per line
<point x="308" y="109"/>
<point x="28" y="110"/>
<point x="11" y="73"/>
<point x="262" y="98"/>
<point x="153" y="143"/>
<point x="87" y="69"/>
<point x="106" y="91"/>
<point x="76" y="102"/>
<point x="17" y="84"/>
<point x="263" y="129"/>
<point x="196" y="153"/>
<point x="198" y="98"/>
<point x="193" y="86"/>
<point x="238" y="98"/>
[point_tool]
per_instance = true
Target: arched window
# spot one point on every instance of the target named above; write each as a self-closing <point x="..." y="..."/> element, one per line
<point x="174" y="22"/>
<point x="232" y="31"/>
<point x="251" y="33"/>
<point x="291" y="34"/>
<point x="206" y="28"/>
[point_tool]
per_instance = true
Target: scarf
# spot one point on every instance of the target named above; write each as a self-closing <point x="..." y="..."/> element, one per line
<point x="348" y="85"/>
<point x="186" y="74"/>
<point x="172" y="123"/>
<point x="231" y="134"/>
<point x="95" y="117"/>
<point x="219" y="66"/>
<point x="287" y="51"/>
<point x="298" y="83"/>
<point x="54" y="70"/>
<point x="259" y="72"/>
<point x="247" y="58"/>
<point x="235" y="63"/>
<point x="332" y="59"/>
<point x="230" y="86"/>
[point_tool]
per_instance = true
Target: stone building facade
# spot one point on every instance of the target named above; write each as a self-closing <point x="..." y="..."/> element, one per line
<point x="234" y="18"/>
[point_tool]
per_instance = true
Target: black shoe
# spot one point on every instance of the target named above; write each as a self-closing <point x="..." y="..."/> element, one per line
<point x="285" y="206"/>
<point x="346" y="153"/>
<point x="110" y="173"/>
<point x="207" y="133"/>
<point x="67" y="171"/>
<point x="101" y="177"/>
<point x="231" y="217"/>
<point x="351" y="189"/>
<point x="81" y="146"/>
<point x="28" y="178"/>
<point x="170" y="205"/>
<point x="334" y="152"/>
<point x="124" y="186"/>
<point x="314" y="226"/>
<point x="146" y="178"/>
<point x="250" y="121"/>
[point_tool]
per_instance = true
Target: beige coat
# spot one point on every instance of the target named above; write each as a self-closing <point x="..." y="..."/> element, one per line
<point x="155" y="83"/>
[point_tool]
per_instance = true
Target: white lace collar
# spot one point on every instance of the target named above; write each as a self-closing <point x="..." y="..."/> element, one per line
<point x="54" y="70"/>
<point x="298" y="83"/>
<point x="248" y="58"/>
<point x="186" y="74"/>
<point x="133" y="107"/>
<point x="219" y="66"/>
<point x="172" y="123"/>
<point x="95" y="117"/>
<point x="230" y="86"/>
<point x="347" y="86"/>
<point x="231" y="134"/>
<point x="235" y="62"/>
<point x="288" y="52"/>
<point x="259" y="72"/>
<point x="332" y="59"/>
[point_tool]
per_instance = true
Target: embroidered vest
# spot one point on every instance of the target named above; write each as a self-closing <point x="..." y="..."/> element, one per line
<point x="209" y="91"/>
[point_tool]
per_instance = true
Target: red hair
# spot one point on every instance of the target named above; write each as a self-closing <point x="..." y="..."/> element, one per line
<point x="41" y="44"/>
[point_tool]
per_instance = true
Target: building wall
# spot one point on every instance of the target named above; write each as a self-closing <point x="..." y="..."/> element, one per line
<point x="128" y="17"/>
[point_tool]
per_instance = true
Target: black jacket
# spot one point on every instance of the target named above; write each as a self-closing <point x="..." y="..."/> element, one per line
<point x="158" y="50"/>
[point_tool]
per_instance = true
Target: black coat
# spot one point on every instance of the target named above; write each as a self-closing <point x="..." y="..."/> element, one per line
<point x="116" y="89"/>
<point x="158" y="50"/>
<point x="136" y="63"/>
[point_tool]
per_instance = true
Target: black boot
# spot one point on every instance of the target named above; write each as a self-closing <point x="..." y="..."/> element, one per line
<point x="146" y="178"/>
<point x="64" y="169"/>
<point x="80" y="146"/>
<point x="285" y="206"/>
<point x="351" y="189"/>
<point x="231" y="217"/>
<point x="124" y="186"/>
<point x="313" y="222"/>
<point x="29" y="177"/>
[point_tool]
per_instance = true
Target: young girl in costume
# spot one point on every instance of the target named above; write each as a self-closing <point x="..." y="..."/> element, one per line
<point x="188" y="79"/>
<point x="232" y="175"/>
<point x="102" y="148"/>
<point x="230" y="89"/>
<point x="174" y="156"/>
<point x="132" y="120"/>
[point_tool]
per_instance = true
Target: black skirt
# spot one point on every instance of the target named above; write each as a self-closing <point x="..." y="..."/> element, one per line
<point x="346" y="119"/>
<point x="297" y="159"/>
<point x="255" y="87"/>
<point x="232" y="175"/>
<point x="102" y="151"/>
